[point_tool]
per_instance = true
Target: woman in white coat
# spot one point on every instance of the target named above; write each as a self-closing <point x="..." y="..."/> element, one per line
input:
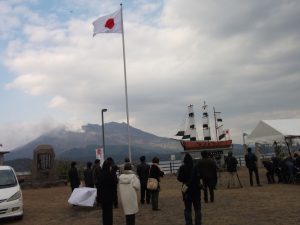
<point x="129" y="184"/>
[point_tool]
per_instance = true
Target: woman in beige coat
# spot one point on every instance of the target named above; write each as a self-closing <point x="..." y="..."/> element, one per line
<point x="129" y="184"/>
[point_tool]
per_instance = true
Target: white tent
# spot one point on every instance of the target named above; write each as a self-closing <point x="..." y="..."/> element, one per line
<point x="275" y="130"/>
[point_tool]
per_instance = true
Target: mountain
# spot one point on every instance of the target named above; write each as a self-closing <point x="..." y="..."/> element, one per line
<point x="71" y="145"/>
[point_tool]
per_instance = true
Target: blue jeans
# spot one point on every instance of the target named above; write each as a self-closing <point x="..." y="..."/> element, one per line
<point x="188" y="212"/>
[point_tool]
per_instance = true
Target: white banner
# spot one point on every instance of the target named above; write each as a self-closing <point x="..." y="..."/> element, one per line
<point x="83" y="196"/>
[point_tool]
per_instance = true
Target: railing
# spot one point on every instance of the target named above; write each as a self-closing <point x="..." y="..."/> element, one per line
<point x="241" y="158"/>
<point x="171" y="167"/>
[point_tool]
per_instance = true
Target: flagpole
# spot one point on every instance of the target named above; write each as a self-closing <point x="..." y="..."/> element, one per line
<point x="126" y="94"/>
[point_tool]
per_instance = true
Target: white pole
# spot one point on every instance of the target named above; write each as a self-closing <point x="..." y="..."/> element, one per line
<point x="126" y="95"/>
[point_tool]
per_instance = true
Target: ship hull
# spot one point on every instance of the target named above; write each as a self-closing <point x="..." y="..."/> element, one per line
<point x="198" y="145"/>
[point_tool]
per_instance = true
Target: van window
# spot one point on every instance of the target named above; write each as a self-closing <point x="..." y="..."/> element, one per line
<point x="7" y="179"/>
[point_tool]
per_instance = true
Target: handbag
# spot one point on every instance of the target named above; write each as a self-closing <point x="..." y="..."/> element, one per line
<point x="184" y="188"/>
<point x="152" y="184"/>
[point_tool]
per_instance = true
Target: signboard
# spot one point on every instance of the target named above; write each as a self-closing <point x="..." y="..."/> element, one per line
<point x="100" y="155"/>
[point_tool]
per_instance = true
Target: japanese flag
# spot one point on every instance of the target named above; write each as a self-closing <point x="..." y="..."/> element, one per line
<point x="111" y="23"/>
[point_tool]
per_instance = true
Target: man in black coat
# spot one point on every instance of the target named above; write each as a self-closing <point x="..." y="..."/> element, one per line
<point x="251" y="163"/>
<point x="96" y="175"/>
<point x="88" y="175"/>
<point x="208" y="171"/>
<point x="114" y="170"/>
<point x="143" y="173"/>
<point x="190" y="177"/>
<point x="107" y="184"/>
<point x="270" y="171"/>
<point x="231" y="163"/>
<point x="73" y="176"/>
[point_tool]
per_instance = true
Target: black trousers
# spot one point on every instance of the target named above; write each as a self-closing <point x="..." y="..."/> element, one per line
<point x="154" y="199"/>
<point x="107" y="213"/>
<point x="130" y="219"/>
<point x="188" y="211"/>
<point x="210" y="185"/>
<point x="251" y="170"/>
<point x="116" y="201"/>
<point x="145" y="192"/>
<point x="98" y="194"/>
<point x="270" y="176"/>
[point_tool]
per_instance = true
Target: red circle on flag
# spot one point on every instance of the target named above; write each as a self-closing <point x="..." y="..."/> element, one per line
<point x="110" y="23"/>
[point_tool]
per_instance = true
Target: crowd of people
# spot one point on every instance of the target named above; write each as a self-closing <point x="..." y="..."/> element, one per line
<point x="109" y="178"/>
<point x="193" y="175"/>
<point x="287" y="169"/>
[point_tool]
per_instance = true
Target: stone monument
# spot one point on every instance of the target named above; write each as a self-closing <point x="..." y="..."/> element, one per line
<point x="43" y="168"/>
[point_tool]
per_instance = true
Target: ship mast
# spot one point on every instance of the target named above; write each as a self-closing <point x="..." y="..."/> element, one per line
<point x="190" y="132"/>
<point x="205" y="119"/>
<point x="216" y="126"/>
<point x="219" y="126"/>
<point x="192" y="128"/>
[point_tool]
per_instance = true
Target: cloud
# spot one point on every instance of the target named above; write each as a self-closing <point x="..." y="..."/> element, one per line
<point x="241" y="58"/>
<point x="17" y="134"/>
<point x="36" y="82"/>
<point x="57" y="101"/>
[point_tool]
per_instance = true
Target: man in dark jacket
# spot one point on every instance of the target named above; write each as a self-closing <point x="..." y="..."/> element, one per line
<point x="143" y="173"/>
<point x="251" y="161"/>
<point x="270" y="171"/>
<point x="88" y="175"/>
<point x="231" y="163"/>
<point x="208" y="172"/>
<point x="73" y="176"/>
<point x="96" y="175"/>
<point x="191" y="196"/>
<point x="107" y="184"/>
<point x="114" y="170"/>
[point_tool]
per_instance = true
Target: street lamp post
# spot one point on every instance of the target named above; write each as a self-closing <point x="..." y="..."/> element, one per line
<point x="103" y="141"/>
<point x="245" y="146"/>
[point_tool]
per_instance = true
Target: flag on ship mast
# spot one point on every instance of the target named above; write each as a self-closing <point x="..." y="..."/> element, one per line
<point x="113" y="23"/>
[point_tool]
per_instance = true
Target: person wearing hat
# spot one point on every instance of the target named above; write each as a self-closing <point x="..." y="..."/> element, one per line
<point x="143" y="173"/>
<point x="73" y="176"/>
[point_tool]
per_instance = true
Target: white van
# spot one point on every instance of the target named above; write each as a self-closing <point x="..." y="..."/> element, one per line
<point x="11" y="200"/>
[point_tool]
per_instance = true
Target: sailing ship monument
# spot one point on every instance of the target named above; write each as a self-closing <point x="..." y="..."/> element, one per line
<point x="194" y="146"/>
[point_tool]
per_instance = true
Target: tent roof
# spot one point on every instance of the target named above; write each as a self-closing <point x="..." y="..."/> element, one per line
<point x="275" y="130"/>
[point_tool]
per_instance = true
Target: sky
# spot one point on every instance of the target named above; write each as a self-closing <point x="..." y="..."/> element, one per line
<point x="241" y="57"/>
